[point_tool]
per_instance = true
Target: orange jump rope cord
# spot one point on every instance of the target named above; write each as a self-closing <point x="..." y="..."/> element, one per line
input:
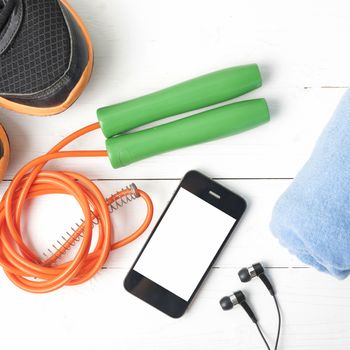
<point x="22" y="266"/>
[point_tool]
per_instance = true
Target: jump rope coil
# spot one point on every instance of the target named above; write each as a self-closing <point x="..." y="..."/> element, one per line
<point x="19" y="261"/>
<point x="76" y="232"/>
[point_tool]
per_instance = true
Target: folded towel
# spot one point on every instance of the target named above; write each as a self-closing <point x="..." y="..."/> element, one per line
<point x="312" y="218"/>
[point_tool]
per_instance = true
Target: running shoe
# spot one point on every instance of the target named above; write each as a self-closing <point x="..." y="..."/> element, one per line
<point x="46" y="56"/>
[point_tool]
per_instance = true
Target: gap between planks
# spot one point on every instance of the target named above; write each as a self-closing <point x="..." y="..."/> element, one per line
<point x="224" y="268"/>
<point x="179" y="178"/>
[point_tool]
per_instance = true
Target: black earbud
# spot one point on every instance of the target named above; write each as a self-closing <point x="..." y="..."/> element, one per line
<point x="257" y="270"/>
<point x="237" y="298"/>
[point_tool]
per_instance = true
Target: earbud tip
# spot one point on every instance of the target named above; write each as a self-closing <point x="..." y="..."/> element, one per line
<point x="244" y="275"/>
<point x="226" y="303"/>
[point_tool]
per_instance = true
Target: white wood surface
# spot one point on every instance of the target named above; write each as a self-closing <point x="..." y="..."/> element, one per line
<point x="141" y="46"/>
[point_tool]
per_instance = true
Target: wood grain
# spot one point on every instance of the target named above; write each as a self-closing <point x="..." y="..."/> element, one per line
<point x="143" y="46"/>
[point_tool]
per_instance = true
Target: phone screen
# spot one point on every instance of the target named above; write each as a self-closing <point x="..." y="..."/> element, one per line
<point x="184" y="244"/>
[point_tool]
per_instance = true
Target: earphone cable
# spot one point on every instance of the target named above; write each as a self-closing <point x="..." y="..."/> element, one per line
<point x="279" y="322"/>
<point x="262" y="336"/>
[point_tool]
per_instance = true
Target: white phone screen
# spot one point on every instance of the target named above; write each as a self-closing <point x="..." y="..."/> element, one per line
<point x="184" y="244"/>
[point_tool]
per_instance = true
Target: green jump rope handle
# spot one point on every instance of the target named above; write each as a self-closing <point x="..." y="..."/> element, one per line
<point x="197" y="93"/>
<point x="210" y="125"/>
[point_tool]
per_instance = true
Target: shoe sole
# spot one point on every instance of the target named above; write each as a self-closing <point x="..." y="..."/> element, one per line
<point x="75" y="93"/>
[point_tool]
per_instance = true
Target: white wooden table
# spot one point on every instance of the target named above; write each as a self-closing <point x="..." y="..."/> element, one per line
<point x="142" y="46"/>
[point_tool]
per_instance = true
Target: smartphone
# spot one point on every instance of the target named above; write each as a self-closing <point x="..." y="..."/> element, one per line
<point x="184" y="244"/>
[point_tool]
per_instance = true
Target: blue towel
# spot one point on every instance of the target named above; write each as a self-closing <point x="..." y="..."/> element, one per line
<point x="312" y="218"/>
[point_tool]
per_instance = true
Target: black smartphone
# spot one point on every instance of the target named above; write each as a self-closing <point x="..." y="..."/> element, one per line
<point x="184" y="244"/>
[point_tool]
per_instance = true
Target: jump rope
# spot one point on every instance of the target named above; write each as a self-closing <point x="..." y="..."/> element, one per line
<point x="23" y="266"/>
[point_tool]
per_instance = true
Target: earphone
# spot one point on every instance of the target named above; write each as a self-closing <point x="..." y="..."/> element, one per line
<point x="238" y="298"/>
<point x="256" y="270"/>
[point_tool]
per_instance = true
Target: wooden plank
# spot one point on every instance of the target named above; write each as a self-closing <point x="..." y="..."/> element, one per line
<point x="100" y="314"/>
<point x="51" y="216"/>
<point x="138" y="52"/>
<point x="277" y="149"/>
<point x="145" y="46"/>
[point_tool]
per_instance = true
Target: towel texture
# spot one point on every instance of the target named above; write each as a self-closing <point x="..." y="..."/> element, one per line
<point x="312" y="218"/>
